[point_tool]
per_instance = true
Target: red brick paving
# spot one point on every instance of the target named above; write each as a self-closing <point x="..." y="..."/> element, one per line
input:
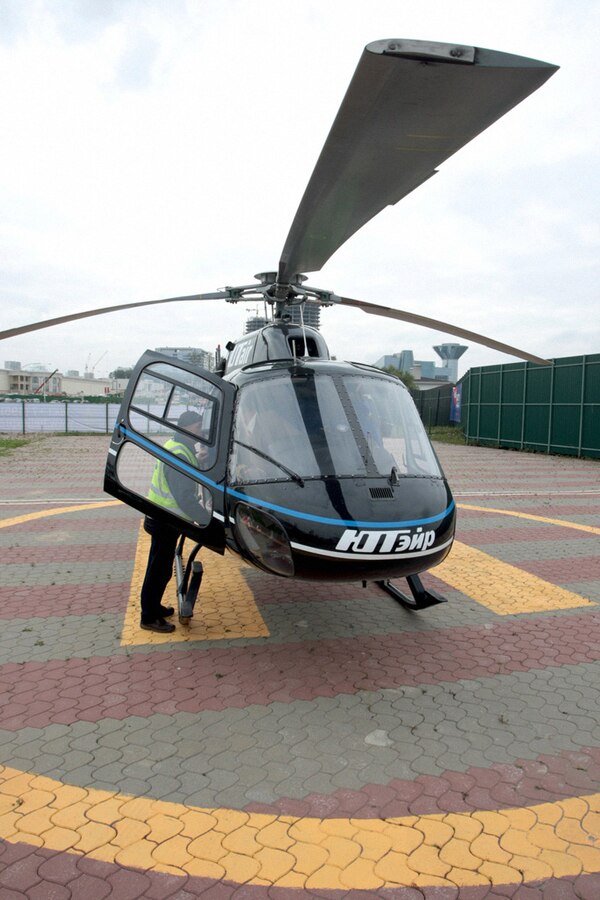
<point x="506" y="535"/>
<point x="46" y="601"/>
<point x="543" y="779"/>
<point x="116" y="687"/>
<point x="561" y="510"/>
<point x="564" y="571"/>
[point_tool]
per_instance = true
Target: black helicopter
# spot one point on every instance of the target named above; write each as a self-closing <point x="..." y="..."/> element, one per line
<point x="308" y="467"/>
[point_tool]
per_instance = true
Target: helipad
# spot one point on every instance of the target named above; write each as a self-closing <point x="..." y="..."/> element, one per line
<point x="301" y="739"/>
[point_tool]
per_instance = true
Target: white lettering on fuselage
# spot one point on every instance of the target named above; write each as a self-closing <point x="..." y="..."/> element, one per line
<point x="241" y="353"/>
<point x="354" y="541"/>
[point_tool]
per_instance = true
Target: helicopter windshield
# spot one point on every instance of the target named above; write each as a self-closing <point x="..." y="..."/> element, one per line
<point x="312" y="425"/>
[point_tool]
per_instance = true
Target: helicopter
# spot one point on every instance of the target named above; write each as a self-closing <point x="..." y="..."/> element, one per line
<point x="308" y="467"/>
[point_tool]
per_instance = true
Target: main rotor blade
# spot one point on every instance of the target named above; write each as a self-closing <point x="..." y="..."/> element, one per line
<point x="376" y="310"/>
<point x="409" y="106"/>
<point x="60" y="320"/>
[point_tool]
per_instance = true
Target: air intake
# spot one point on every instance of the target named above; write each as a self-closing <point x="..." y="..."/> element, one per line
<point x="381" y="493"/>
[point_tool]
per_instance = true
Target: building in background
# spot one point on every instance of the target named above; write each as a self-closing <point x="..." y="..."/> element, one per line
<point x="14" y="379"/>
<point x="194" y="355"/>
<point x="40" y="380"/>
<point x="309" y="313"/>
<point x="451" y="353"/>
<point x="254" y="323"/>
<point x="403" y="361"/>
<point x="425" y="372"/>
<point x="80" y="386"/>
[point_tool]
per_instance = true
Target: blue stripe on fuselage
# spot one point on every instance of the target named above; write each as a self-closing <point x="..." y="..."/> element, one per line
<point x="178" y="463"/>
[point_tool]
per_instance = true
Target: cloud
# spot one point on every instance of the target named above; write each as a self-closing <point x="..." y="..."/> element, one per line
<point x="135" y="68"/>
<point x="14" y="21"/>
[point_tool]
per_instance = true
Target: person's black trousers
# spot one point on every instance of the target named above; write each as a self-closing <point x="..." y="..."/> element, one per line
<point x="160" y="567"/>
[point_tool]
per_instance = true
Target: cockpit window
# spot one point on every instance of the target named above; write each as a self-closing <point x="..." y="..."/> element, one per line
<point x="391" y="426"/>
<point x="270" y="432"/>
<point x="312" y="425"/>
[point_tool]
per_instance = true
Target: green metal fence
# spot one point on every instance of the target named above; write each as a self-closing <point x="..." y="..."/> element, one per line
<point x="434" y="405"/>
<point x="551" y="409"/>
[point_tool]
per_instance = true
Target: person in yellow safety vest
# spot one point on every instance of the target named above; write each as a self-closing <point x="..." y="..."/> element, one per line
<point x="173" y="491"/>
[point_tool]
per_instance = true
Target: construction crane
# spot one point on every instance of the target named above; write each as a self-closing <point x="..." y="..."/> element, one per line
<point x="89" y="372"/>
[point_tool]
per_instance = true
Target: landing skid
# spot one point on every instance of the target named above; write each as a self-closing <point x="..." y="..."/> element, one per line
<point x="188" y="580"/>
<point x="421" y="597"/>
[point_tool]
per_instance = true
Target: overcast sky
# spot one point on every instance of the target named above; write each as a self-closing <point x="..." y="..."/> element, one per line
<point x="155" y="148"/>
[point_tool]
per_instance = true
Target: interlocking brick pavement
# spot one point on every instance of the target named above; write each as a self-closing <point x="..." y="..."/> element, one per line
<point x="344" y="748"/>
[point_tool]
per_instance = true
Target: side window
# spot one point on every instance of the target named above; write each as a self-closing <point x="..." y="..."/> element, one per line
<point x="170" y="403"/>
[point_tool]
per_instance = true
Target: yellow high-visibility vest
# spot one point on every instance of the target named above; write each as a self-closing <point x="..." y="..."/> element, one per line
<point x="159" y="492"/>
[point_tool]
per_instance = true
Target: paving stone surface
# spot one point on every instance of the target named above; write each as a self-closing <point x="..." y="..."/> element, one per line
<point x="313" y="740"/>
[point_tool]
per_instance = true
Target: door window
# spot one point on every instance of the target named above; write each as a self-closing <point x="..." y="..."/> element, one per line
<point x="162" y="404"/>
<point x="168" y="455"/>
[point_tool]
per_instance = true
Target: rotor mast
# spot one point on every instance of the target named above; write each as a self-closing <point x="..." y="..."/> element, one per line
<point x="281" y="295"/>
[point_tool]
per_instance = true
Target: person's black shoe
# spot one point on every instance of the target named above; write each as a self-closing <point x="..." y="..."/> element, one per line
<point x="159" y="625"/>
<point x="165" y="611"/>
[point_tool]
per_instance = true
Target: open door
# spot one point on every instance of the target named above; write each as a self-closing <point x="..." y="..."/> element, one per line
<point x="168" y="454"/>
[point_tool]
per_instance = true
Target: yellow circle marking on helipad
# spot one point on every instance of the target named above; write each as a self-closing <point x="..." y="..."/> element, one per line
<point x="58" y="511"/>
<point x="520" y="515"/>
<point x="500" y="586"/>
<point x="504" y="846"/>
